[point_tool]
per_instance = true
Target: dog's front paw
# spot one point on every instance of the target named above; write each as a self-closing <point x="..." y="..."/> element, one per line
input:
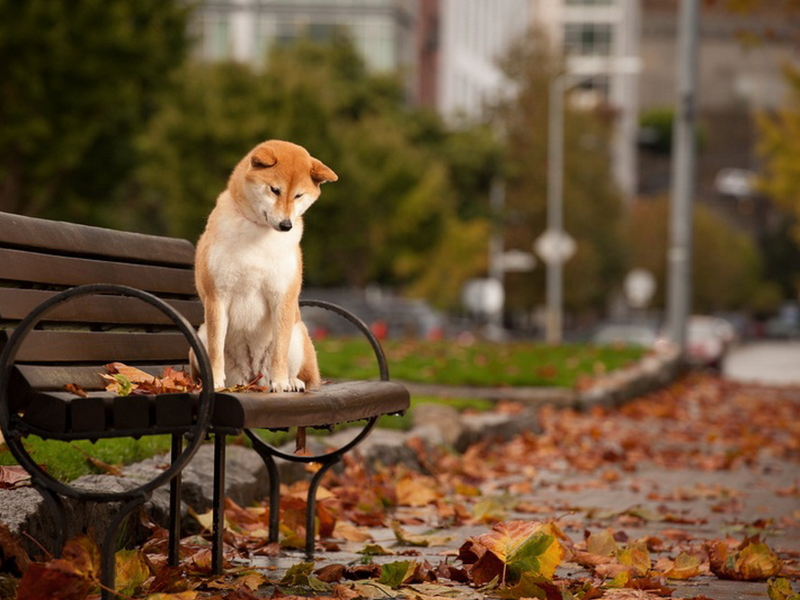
<point x="219" y="380"/>
<point x="287" y="385"/>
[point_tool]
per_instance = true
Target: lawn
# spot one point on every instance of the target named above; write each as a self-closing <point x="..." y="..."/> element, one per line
<point x="443" y="362"/>
<point x="477" y="363"/>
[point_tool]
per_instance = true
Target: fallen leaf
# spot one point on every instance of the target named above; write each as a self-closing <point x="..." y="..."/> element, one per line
<point x="513" y="548"/>
<point x="685" y="566"/>
<point x="13" y="476"/>
<point x="752" y="561"/>
<point x="781" y="589"/>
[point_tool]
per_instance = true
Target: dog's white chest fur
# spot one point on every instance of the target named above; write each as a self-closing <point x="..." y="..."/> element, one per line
<point x="252" y="267"/>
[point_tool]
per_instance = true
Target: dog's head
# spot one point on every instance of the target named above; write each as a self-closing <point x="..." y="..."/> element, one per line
<point x="277" y="182"/>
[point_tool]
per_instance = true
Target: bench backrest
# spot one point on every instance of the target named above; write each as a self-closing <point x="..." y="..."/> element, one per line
<point x="38" y="258"/>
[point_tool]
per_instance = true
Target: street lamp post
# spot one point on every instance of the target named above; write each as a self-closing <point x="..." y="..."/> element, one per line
<point x="679" y="255"/>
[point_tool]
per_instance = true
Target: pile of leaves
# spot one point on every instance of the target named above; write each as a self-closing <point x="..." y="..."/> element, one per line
<point x="124" y="380"/>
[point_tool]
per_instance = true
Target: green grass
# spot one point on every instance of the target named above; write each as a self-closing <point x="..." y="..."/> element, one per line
<point x="479" y="364"/>
<point x="69" y="460"/>
<point x="445" y="362"/>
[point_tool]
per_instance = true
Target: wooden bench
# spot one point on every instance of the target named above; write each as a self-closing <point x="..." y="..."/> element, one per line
<point x="73" y="298"/>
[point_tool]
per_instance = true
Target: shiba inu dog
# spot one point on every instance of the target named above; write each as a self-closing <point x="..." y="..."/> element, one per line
<point x="248" y="270"/>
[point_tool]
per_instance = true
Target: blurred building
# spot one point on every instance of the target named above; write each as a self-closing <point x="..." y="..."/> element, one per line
<point x="600" y="41"/>
<point x="384" y="31"/>
<point x="742" y="55"/>
<point x="474" y="34"/>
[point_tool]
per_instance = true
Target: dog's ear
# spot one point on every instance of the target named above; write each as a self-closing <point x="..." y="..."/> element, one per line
<point x="320" y="173"/>
<point x="262" y="158"/>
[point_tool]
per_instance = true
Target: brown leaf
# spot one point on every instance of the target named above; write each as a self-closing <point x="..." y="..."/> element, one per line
<point x="752" y="561"/>
<point x="54" y="580"/>
<point x="11" y="548"/>
<point x="13" y="476"/>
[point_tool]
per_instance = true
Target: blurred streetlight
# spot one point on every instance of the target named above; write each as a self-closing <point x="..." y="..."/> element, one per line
<point x="555" y="246"/>
<point x="679" y="255"/>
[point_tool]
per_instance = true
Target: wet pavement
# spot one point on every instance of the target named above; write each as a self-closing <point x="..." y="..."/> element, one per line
<point x="679" y="505"/>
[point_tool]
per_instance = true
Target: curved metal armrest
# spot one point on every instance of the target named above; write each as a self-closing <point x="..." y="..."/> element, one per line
<point x="376" y="346"/>
<point x="196" y="434"/>
<point x="383" y="367"/>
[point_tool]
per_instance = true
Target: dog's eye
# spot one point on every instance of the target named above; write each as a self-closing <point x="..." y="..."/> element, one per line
<point x="276" y="191"/>
<point x="298" y="195"/>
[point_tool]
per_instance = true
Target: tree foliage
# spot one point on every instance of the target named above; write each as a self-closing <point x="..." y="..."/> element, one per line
<point x="779" y="146"/>
<point x="726" y="265"/>
<point x="79" y="79"/>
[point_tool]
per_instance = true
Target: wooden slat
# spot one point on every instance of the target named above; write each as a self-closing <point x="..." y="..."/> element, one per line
<point x="333" y="403"/>
<point x="19" y="265"/>
<point x="71" y="238"/>
<point x="17" y="303"/>
<point x="55" y="376"/>
<point x="83" y="346"/>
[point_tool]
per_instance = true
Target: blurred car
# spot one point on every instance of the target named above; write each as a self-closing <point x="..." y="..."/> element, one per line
<point x="628" y="334"/>
<point x="708" y="339"/>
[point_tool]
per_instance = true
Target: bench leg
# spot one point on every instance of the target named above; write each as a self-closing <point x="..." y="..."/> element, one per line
<point x="218" y="506"/>
<point x="108" y="556"/>
<point x="175" y="489"/>
<point x="311" y="504"/>
<point x="58" y="511"/>
<point x="274" y="497"/>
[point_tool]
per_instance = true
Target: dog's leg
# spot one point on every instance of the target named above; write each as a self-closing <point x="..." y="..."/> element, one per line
<point x="216" y="329"/>
<point x="309" y="370"/>
<point x="303" y="370"/>
<point x="284" y="319"/>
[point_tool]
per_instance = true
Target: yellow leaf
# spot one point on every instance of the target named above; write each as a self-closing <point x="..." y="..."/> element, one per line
<point x="637" y="557"/>
<point x="132" y="571"/>
<point x="684" y="567"/>
<point x="416" y="491"/>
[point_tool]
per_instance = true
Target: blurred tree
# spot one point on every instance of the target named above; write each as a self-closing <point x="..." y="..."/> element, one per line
<point x="726" y="267"/>
<point x="779" y="146"/>
<point x="396" y="205"/>
<point x="79" y="79"/>
<point x="592" y="205"/>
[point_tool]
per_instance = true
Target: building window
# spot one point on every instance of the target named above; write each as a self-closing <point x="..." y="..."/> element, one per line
<point x="214" y="32"/>
<point x="587" y="39"/>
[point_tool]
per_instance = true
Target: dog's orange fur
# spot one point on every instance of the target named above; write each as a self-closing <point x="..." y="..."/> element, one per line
<point x="249" y="270"/>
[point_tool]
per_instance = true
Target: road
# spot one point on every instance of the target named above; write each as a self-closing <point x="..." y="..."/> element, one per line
<point x="773" y="362"/>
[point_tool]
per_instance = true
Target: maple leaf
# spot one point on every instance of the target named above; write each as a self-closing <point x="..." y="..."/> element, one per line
<point x="513" y="548"/>
<point x="685" y="566"/>
<point x="395" y="573"/>
<point x="753" y="560"/>
<point x="132" y="571"/>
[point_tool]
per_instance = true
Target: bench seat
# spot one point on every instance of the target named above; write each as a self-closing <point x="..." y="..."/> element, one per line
<point x="64" y="415"/>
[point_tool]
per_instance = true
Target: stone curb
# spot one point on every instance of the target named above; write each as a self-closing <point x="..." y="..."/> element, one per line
<point x="23" y="509"/>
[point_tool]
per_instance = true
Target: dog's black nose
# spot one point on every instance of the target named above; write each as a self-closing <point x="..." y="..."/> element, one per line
<point x="285" y="225"/>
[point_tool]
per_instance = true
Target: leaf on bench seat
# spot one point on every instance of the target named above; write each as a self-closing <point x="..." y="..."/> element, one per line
<point x="124" y="380"/>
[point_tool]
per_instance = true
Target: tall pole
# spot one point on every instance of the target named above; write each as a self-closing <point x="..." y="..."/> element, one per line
<point x="679" y="255"/>
<point x="555" y="209"/>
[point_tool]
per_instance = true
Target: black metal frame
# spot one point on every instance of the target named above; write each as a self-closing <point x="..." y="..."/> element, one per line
<point x="269" y="453"/>
<point x="52" y="489"/>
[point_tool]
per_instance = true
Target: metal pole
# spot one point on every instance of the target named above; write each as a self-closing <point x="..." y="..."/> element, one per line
<point x="497" y="196"/>
<point x="555" y="208"/>
<point x="679" y="255"/>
